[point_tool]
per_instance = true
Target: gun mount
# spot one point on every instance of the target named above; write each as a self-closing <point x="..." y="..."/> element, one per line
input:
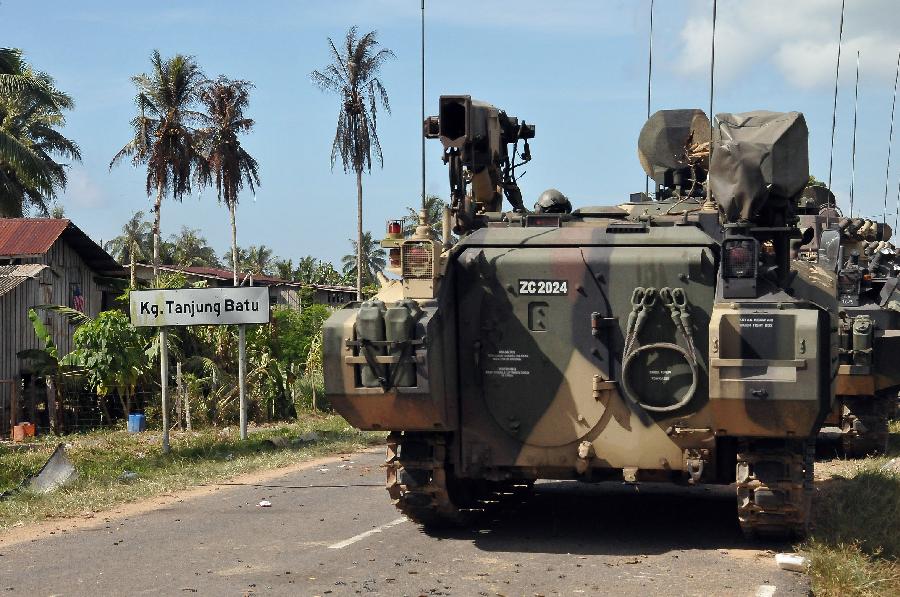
<point x="476" y="136"/>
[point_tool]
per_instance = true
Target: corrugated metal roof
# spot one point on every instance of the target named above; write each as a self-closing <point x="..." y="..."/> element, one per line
<point x="13" y="275"/>
<point x="227" y="275"/>
<point x="29" y="236"/>
<point x="34" y="236"/>
<point x="28" y="270"/>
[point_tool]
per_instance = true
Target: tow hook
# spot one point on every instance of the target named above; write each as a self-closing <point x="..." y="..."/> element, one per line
<point x="585" y="453"/>
<point x="693" y="464"/>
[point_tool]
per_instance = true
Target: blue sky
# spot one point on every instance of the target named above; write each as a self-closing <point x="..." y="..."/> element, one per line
<point x="577" y="69"/>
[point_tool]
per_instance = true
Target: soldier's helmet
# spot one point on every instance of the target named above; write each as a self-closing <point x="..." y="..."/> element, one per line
<point x="552" y="201"/>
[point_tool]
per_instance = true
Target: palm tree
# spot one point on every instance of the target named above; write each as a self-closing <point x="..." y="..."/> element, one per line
<point x="353" y="76"/>
<point x="225" y="163"/>
<point x="284" y="268"/>
<point x="373" y="260"/>
<point x="434" y="217"/>
<point x="258" y="260"/>
<point x="306" y="270"/>
<point x="326" y="273"/>
<point x="191" y="249"/>
<point x="133" y="243"/>
<point x="164" y="138"/>
<point x="31" y="111"/>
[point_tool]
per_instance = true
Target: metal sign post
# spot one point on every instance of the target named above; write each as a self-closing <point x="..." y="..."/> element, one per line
<point x="164" y="384"/>
<point x="201" y="306"/>
<point x="242" y="377"/>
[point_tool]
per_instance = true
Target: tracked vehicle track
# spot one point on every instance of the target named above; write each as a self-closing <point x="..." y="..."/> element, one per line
<point x="864" y="425"/>
<point x="774" y="488"/>
<point x="426" y="490"/>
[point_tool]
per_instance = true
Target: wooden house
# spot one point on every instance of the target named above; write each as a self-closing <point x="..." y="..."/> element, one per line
<point x="45" y="262"/>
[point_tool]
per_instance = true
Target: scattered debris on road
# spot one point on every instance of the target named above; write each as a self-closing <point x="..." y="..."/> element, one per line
<point x="792" y="561"/>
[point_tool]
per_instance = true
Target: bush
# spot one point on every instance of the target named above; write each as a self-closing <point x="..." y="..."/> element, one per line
<point x="292" y="332"/>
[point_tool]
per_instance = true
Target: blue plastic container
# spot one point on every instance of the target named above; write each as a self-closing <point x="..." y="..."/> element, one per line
<point x="137" y="422"/>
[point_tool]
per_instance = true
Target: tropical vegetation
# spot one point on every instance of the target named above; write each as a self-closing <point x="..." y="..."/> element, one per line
<point x="353" y="75"/>
<point x="32" y="149"/>
<point x="226" y="164"/>
<point x="372" y="257"/>
<point x="164" y="137"/>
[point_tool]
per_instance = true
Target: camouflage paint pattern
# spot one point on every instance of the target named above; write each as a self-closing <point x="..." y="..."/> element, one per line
<point x="530" y="382"/>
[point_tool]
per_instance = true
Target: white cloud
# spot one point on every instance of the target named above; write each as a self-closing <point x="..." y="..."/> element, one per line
<point x="797" y="37"/>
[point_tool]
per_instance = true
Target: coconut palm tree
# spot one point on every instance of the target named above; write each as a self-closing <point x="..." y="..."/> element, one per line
<point x="164" y="137"/>
<point x="15" y="75"/>
<point x="373" y="260"/>
<point x="191" y="249"/>
<point x="134" y="243"/>
<point x="434" y="216"/>
<point x="31" y="111"/>
<point x="353" y="76"/>
<point x="306" y="270"/>
<point x="226" y="164"/>
<point x="258" y="260"/>
<point x="284" y="269"/>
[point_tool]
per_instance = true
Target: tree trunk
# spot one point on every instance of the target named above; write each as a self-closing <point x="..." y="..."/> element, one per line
<point x="231" y="209"/>
<point x="133" y="281"/>
<point x="359" y="235"/>
<point x="156" y="233"/>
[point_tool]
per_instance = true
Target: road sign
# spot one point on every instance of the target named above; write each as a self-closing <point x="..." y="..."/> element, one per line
<point x="199" y="306"/>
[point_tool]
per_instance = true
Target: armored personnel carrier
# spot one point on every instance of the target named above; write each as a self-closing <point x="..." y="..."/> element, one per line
<point x="868" y="269"/>
<point x="668" y="339"/>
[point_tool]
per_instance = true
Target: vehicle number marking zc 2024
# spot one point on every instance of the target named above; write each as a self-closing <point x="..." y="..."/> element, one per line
<point x="543" y="287"/>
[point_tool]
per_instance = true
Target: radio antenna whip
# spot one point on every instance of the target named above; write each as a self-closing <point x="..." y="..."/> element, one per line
<point x="897" y="209"/>
<point x="709" y="204"/>
<point x="853" y="150"/>
<point x="422" y="119"/>
<point x="649" y="80"/>
<point x="887" y="172"/>
<point x="837" y="72"/>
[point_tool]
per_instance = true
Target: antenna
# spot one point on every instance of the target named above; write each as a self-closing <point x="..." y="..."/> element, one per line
<point x="897" y="210"/>
<point x="887" y="172"/>
<point x="837" y="72"/>
<point x="422" y="119"/>
<point x="709" y="204"/>
<point x="649" y="80"/>
<point x="712" y="74"/>
<point x="853" y="151"/>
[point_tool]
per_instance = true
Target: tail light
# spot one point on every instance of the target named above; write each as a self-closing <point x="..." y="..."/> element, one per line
<point x="741" y="256"/>
<point x="394" y="229"/>
<point x="417" y="258"/>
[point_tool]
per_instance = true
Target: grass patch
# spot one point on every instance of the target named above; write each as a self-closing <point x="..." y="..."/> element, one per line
<point x="197" y="457"/>
<point x="855" y="548"/>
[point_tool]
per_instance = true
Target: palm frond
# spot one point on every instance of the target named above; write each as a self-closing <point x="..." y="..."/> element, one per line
<point x="73" y="316"/>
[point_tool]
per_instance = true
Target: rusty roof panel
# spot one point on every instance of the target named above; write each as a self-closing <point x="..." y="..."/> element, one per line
<point x="29" y="236"/>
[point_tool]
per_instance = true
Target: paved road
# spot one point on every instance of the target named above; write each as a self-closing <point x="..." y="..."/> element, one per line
<point x="332" y="531"/>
